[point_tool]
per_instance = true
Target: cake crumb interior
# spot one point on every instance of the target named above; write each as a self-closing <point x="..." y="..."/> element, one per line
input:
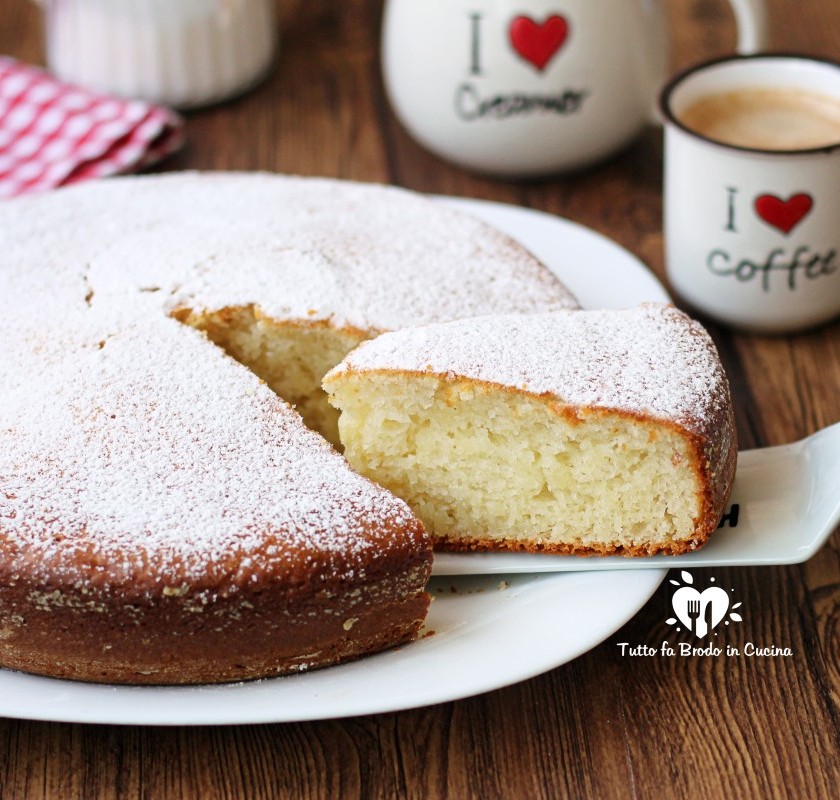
<point x="292" y="358"/>
<point x="481" y="466"/>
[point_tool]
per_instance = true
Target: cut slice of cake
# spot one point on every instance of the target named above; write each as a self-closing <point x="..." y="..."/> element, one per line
<point x="591" y="432"/>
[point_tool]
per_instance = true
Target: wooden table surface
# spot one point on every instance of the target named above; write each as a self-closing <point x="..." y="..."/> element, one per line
<point x="603" y="725"/>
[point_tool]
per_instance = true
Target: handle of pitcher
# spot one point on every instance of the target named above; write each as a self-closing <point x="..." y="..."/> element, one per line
<point x="751" y="16"/>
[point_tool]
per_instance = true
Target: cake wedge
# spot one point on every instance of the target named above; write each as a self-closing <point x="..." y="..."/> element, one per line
<point x="587" y="432"/>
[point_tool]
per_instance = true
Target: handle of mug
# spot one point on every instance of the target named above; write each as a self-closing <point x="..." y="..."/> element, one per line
<point x="751" y="16"/>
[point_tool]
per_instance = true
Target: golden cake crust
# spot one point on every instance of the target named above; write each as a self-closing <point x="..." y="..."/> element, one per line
<point x="195" y="636"/>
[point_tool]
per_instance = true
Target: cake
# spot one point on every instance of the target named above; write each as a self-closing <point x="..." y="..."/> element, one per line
<point x="165" y="517"/>
<point x="586" y="432"/>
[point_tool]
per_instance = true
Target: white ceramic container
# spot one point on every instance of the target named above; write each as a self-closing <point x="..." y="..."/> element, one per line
<point x="526" y="88"/>
<point x="182" y="53"/>
<point x="752" y="237"/>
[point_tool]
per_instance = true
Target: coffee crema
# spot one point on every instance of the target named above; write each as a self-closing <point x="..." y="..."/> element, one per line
<point x="766" y="118"/>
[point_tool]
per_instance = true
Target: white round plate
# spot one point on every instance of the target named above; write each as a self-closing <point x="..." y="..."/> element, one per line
<point x="482" y="633"/>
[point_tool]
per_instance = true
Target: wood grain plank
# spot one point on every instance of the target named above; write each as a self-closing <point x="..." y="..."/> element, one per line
<point x="738" y="725"/>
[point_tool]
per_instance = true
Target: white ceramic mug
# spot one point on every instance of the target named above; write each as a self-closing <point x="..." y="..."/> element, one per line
<point x="752" y="235"/>
<point x="531" y="87"/>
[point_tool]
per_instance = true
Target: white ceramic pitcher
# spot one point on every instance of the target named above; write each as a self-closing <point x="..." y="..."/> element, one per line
<point x="531" y="87"/>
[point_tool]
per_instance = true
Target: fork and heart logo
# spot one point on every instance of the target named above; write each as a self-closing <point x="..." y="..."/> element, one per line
<point x="701" y="612"/>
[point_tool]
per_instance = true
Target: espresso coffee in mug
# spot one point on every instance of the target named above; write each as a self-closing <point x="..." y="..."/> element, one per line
<point x="752" y="190"/>
<point x="531" y="87"/>
<point x="766" y="118"/>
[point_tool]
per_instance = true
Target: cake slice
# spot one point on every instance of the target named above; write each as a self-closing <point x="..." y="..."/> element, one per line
<point x="589" y="432"/>
<point x="165" y="518"/>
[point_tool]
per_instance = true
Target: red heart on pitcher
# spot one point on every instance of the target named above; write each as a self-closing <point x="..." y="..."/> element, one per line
<point x="784" y="215"/>
<point x="536" y="43"/>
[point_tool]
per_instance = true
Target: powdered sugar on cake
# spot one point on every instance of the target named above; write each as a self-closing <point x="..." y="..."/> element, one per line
<point x="651" y="360"/>
<point x="131" y="448"/>
<point x="369" y="257"/>
<point x="139" y="448"/>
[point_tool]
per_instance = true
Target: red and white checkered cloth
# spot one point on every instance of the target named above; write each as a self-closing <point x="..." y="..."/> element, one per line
<point x="53" y="133"/>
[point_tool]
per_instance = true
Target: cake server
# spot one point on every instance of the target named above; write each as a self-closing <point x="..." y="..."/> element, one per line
<point x="784" y="506"/>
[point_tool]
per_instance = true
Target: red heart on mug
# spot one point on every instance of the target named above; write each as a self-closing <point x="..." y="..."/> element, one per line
<point x="783" y="214"/>
<point x="536" y="43"/>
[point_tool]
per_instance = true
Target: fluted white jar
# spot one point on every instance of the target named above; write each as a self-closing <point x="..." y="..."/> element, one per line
<point x="183" y="53"/>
